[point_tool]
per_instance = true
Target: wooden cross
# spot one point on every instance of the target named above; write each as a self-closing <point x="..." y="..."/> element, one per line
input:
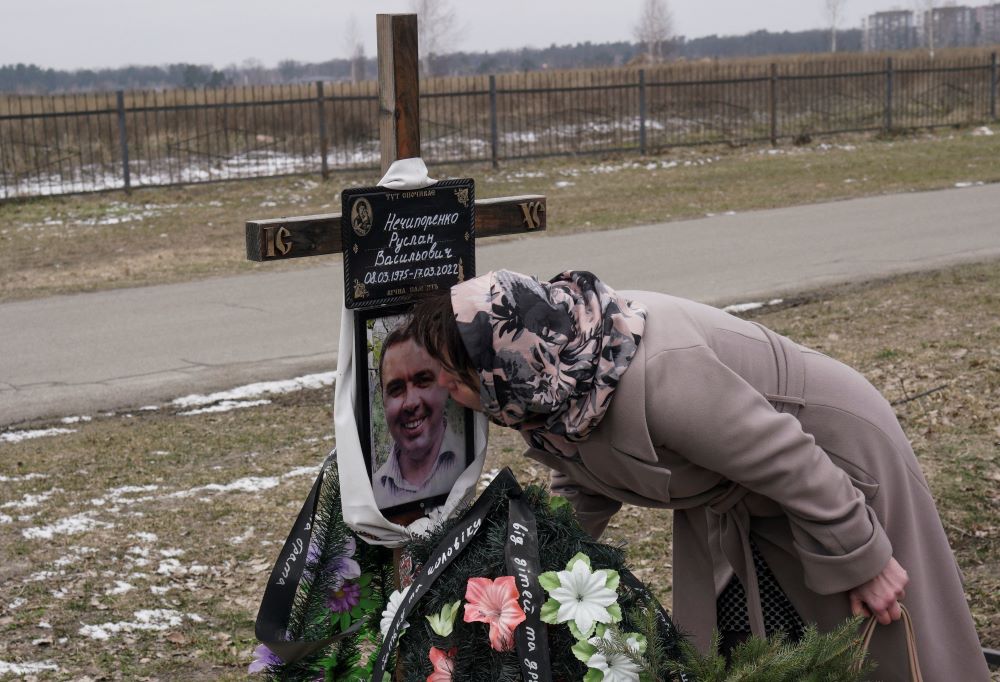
<point x="399" y="132"/>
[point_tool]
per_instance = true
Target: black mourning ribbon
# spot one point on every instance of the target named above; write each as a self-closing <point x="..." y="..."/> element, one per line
<point x="522" y="562"/>
<point x="447" y="550"/>
<point x="271" y="627"/>
<point x="521" y="553"/>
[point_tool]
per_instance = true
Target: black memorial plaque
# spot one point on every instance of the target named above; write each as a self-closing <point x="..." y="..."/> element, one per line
<point x="400" y="243"/>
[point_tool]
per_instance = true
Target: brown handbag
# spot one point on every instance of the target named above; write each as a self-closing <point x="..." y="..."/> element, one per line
<point x="911" y="643"/>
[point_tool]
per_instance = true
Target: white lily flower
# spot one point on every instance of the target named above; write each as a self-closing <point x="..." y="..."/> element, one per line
<point x="584" y="597"/>
<point x="617" y="667"/>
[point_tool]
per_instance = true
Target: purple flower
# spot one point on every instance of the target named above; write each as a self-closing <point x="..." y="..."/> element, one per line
<point x="263" y="659"/>
<point x="341" y="567"/>
<point x="344" y="598"/>
<point x="344" y="567"/>
<point x="312" y="556"/>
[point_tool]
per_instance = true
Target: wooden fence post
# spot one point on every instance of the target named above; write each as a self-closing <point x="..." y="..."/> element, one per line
<point x="888" y="95"/>
<point x="993" y="86"/>
<point x="123" y="140"/>
<point x="494" y="138"/>
<point x="642" y="111"/>
<point x="773" y="103"/>
<point x="321" y="112"/>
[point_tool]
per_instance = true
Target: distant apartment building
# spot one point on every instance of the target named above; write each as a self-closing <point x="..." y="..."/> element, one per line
<point x="894" y="30"/>
<point x="953" y="26"/>
<point x="948" y="27"/>
<point x="988" y="24"/>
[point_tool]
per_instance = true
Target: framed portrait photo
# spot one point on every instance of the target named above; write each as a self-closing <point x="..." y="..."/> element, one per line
<point x="416" y="440"/>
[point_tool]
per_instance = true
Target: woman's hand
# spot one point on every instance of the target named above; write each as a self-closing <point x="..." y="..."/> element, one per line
<point x="880" y="595"/>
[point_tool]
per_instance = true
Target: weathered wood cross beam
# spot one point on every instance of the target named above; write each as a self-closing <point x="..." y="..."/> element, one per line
<point x="399" y="131"/>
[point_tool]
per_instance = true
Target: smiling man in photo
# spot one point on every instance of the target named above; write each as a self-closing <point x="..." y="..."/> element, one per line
<point x="426" y="456"/>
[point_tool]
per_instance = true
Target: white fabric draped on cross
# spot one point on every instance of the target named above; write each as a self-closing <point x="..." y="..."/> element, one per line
<point x="356" y="494"/>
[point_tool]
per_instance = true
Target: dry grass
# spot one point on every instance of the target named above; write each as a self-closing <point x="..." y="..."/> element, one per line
<point x="192" y="135"/>
<point x="143" y="475"/>
<point x="95" y="242"/>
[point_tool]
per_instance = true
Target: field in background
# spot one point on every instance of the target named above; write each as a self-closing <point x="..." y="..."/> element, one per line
<point x="90" y="242"/>
<point x="136" y="546"/>
<point x="80" y="143"/>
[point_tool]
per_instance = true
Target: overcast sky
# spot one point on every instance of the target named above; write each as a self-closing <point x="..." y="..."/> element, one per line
<point x="72" y="34"/>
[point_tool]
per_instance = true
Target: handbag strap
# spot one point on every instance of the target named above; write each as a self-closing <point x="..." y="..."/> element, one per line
<point x="911" y="643"/>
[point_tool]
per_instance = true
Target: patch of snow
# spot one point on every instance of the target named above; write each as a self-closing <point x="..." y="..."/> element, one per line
<point x="300" y="471"/>
<point x="170" y="553"/>
<point x="129" y="489"/>
<point x="43" y="575"/>
<point x="5" y="519"/>
<point x="121" y="587"/>
<point x="171" y="567"/>
<point x="564" y="183"/>
<point x="17" y="603"/>
<point x="45" y="625"/>
<point x="145" y="537"/>
<point x="753" y="305"/>
<point x="225" y="406"/>
<point x="18" y="479"/>
<point x="70" y="559"/>
<point x="76" y="420"/>
<point x="26" y="668"/>
<point x="18" y="436"/>
<point x="240" y="539"/>
<point x="250" y="484"/>
<point x="149" y="620"/>
<point x="71" y="525"/>
<point x="487" y="476"/>
<point x="250" y="391"/>
<point x="983" y="131"/>
<point x="968" y="184"/>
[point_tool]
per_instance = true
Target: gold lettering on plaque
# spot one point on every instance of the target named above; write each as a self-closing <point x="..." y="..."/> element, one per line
<point x="275" y="238"/>
<point x="531" y="209"/>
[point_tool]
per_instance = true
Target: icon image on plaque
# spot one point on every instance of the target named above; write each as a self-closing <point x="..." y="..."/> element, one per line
<point x="361" y="217"/>
<point x="419" y="441"/>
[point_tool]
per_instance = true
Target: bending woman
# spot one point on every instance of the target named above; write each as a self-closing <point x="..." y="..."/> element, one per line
<point x="797" y="496"/>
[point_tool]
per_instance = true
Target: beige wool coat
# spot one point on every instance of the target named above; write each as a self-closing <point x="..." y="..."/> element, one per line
<point x="744" y="433"/>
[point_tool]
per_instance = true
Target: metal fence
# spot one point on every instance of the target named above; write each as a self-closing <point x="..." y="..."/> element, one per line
<point x="81" y="143"/>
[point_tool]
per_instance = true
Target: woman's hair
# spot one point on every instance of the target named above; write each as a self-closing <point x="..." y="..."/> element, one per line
<point x="433" y="326"/>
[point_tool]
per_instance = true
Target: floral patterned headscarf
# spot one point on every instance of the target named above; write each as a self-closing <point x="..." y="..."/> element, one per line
<point x="549" y="354"/>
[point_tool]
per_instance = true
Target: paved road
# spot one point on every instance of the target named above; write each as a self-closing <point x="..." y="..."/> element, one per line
<point x="80" y="354"/>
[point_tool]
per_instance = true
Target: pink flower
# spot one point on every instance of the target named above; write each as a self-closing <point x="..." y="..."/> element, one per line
<point x="495" y="602"/>
<point x="444" y="664"/>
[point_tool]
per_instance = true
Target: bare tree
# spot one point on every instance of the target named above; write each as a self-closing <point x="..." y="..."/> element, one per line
<point x="352" y="37"/>
<point x="437" y="28"/>
<point x="925" y="10"/>
<point x="834" y="10"/>
<point x="654" y="28"/>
